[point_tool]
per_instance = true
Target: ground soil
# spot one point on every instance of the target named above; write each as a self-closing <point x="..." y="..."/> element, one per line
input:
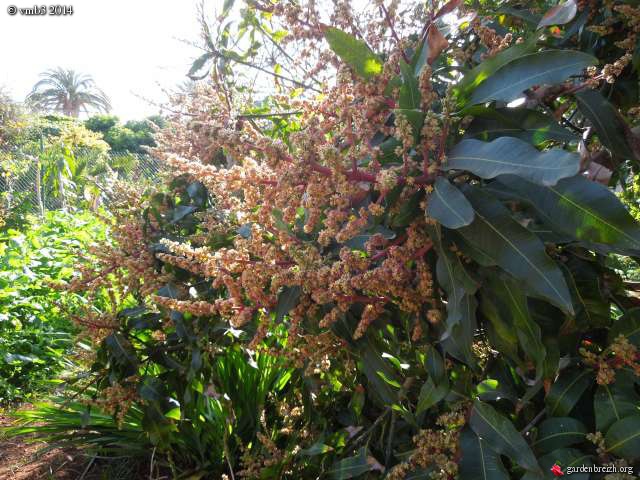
<point x="19" y="460"/>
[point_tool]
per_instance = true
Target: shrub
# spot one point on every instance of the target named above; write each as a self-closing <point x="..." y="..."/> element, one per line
<point x="36" y="332"/>
<point x="403" y="276"/>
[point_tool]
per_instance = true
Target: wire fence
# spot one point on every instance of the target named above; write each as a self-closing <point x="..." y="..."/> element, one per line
<point x="37" y="182"/>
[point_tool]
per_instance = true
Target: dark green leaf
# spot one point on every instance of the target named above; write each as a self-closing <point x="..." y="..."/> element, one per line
<point x="607" y="121"/>
<point x="351" y="467"/>
<point x="479" y="461"/>
<point x="372" y="363"/>
<point x="519" y="252"/>
<point x="121" y="350"/>
<point x="623" y="438"/>
<point x="169" y="291"/>
<point x="287" y="300"/>
<point x="198" y="64"/>
<point x="420" y="474"/>
<point x="560" y="14"/>
<point x="565" y="457"/>
<point x="530" y="126"/>
<point x="509" y="155"/>
<point x="500" y="332"/>
<point x="488" y="67"/>
<point x="280" y="224"/>
<point x="615" y="401"/>
<point x="548" y="67"/>
<point x="317" y="448"/>
<point x="581" y="209"/>
<point x="354" y="53"/>
<point x="434" y="363"/>
<point x="359" y="241"/>
<point x="245" y="230"/>
<point x="567" y="390"/>
<point x="410" y="90"/>
<point x="448" y="205"/>
<point x="559" y="432"/>
<point x="430" y="394"/>
<point x="512" y="305"/>
<point x="531" y="18"/>
<point x="182" y="211"/>
<point x="408" y="212"/>
<point x="457" y="340"/>
<point x="500" y="434"/>
<point x="627" y="325"/>
<point x="151" y="389"/>
<point x="451" y="273"/>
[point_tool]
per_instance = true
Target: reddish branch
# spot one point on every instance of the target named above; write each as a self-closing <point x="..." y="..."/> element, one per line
<point x="394" y="33"/>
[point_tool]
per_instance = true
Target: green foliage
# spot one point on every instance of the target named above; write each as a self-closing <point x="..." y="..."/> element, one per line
<point x="526" y="343"/>
<point x="36" y="331"/>
<point x="131" y="137"/>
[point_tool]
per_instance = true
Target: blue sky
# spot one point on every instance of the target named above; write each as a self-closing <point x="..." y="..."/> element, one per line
<point x="132" y="48"/>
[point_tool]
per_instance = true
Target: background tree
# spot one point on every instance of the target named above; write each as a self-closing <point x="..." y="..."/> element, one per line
<point x="67" y="91"/>
<point x="131" y="137"/>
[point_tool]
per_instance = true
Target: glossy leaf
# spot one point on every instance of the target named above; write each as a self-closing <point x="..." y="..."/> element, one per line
<point x="500" y="332"/>
<point x="512" y="305"/>
<point x="608" y="123"/>
<point x="582" y="209"/>
<point x="627" y="325"/>
<point x="623" y="438"/>
<point x="199" y="64"/>
<point x="565" y="457"/>
<point x="501" y="435"/>
<point x="448" y="205"/>
<point x="559" y="432"/>
<point x="410" y="91"/>
<point x="354" y="53"/>
<point x="528" y="125"/>
<point x="351" y="467"/>
<point x="408" y="212"/>
<point x="460" y="328"/>
<point x="567" y="390"/>
<point x="527" y="15"/>
<point x="560" y="14"/>
<point x="479" y="461"/>
<point x="287" y="300"/>
<point x="430" y="394"/>
<point x="488" y="67"/>
<point x="548" y="67"/>
<point x="615" y="401"/>
<point x="373" y="364"/>
<point x="519" y="252"/>
<point x="181" y="211"/>
<point x="509" y="155"/>
<point x="434" y="364"/>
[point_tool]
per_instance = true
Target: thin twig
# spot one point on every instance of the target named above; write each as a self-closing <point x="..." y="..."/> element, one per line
<point x="86" y="470"/>
<point x="395" y="35"/>
<point x="534" y="421"/>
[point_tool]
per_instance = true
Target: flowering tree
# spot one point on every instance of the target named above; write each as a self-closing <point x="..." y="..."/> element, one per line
<point x="395" y="264"/>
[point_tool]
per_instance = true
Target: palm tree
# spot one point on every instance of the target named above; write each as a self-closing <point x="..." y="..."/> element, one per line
<point x="67" y="91"/>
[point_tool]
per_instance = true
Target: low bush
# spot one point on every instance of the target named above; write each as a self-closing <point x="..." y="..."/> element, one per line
<point x="400" y="269"/>
<point x="37" y="334"/>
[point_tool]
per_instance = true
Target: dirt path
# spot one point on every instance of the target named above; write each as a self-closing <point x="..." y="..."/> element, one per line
<point x="19" y="460"/>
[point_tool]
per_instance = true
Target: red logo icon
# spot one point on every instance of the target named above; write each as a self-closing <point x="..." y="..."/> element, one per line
<point x="557" y="470"/>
